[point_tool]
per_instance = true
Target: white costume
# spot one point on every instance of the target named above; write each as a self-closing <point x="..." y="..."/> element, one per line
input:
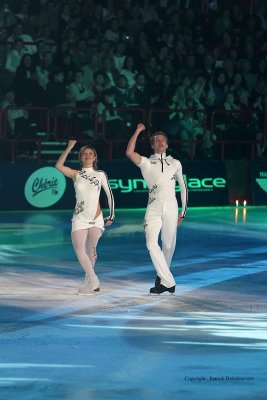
<point x="160" y="173"/>
<point x="87" y="186"/>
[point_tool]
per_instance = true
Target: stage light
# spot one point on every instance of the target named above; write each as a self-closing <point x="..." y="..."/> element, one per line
<point x="244" y="203"/>
<point x="236" y="203"/>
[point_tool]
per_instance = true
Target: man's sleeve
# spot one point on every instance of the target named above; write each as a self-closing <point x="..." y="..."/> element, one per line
<point x="144" y="161"/>
<point x="183" y="188"/>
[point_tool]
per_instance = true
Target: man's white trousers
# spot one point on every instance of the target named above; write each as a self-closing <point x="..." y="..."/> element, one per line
<point x="162" y="217"/>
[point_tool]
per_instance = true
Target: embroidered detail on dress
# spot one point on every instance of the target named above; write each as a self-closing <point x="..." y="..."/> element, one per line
<point x="91" y="223"/>
<point x="92" y="179"/>
<point x="173" y="177"/>
<point x="151" y="193"/>
<point x="79" y="208"/>
<point x="153" y="189"/>
<point x="150" y="200"/>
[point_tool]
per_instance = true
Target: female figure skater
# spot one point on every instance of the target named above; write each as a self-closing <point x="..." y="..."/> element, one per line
<point x="87" y="222"/>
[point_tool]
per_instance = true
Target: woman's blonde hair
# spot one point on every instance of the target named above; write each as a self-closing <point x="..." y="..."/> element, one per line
<point x="82" y="151"/>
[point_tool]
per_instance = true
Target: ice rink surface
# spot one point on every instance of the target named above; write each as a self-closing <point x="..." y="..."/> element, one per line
<point x="206" y="342"/>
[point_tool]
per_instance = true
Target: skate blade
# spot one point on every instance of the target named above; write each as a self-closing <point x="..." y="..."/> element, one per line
<point x="92" y="293"/>
<point x="161" y="294"/>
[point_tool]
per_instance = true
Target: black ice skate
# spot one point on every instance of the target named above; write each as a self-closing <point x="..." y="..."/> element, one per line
<point x="157" y="281"/>
<point x="161" y="289"/>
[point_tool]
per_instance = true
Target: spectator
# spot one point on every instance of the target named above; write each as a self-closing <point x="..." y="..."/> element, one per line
<point x="112" y="32"/>
<point x="166" y="89"/>
<point x="122" y="92"/>
<point x="229" y="69"/>
<point x="225" y="46"/>
<point x="113" y="122"/>
<point x="110" y="71"/>
<point x="129" y="71"/>
<point x="191" y="121"/>
<point x="184" y="83"/>
<point x="99" y="85"/>
<point x="152" y="70"/>
<point x="119" y="55"/>
<point x="83" y="97"/>
<point x="223" y="23"/>
<point x="47" y="35"/>
<point x="148" y="12"/>
<point x="237" y="84"/>
<point x="67" y="65"/>
<point x="19" y="124"/>
<point x="219" y="86"/>
<point x="17" y="118"/>
<point x="89" y="70"/>
<point x="3" y="47"/>
<point x="62" y="107"/>
<point x="179" y="54"/>
<point x="208" y="67"/>
<point x="229" y="127"/>
<point x="23" y="14"/>
<point x="56" y="91"/>
<point x="70" y="37"/>
<point x="80" y="54"/>
<point x="210" y="106"/>
<point x="27" y="90"/>
<point x="14" y="56"/>
<point x="38" y="57"/>
<point x="260" y="106"/>
<point x="190" y="68"/>
<point x="247" y="73"/>
<point x="261" y="69"/>
<point x="105" y="50"/>
<point x="238" y="18"/>
<point x="200" y="87"/>
<point x="44" y="68"/>
<point x="7" y="17"/>
<point x="64" y="17"/>
<point x="18" y="33"/>
<point x="49" y="9"/>
<point x="140" y="94"/>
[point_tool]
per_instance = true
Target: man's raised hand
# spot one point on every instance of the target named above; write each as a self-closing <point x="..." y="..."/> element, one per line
<point x="140" y="128"/>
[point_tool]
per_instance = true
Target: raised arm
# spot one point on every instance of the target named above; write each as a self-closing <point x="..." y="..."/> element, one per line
<point x="69" y="172"/>
<point x="130" y="151"/>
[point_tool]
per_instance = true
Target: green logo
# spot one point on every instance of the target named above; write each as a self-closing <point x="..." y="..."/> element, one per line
<point x="45" y="187"/>
<point x="262" y="182"/>
<point x="193" y="184"/>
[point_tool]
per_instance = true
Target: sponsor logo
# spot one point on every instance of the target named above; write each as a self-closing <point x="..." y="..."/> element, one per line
<point x="204" y="185"/>
<point x="194" y="184"/>
<point x="262" y="182"/>
<point x="45" y="187"/>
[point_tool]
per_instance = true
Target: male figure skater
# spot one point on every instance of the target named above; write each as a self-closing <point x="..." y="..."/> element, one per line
<point x="160" y="173"/>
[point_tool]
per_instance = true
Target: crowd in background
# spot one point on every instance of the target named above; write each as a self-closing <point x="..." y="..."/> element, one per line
<point x="160" y="54"/>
